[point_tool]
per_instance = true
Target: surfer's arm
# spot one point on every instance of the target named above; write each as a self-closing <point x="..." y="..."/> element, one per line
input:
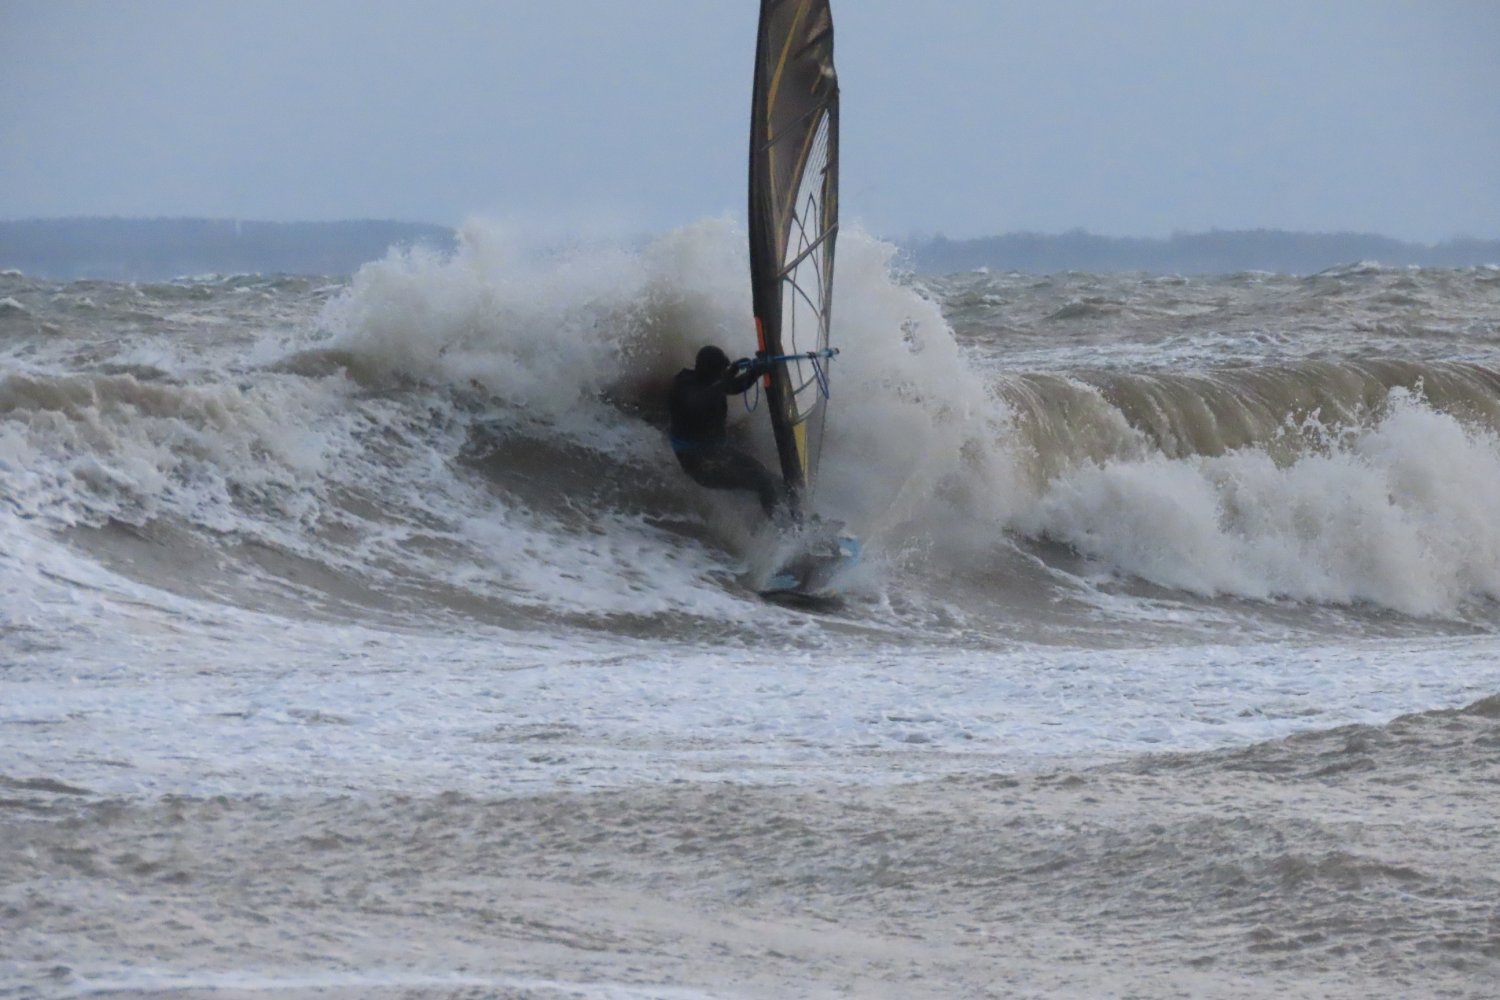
<point x="743" y="373"/>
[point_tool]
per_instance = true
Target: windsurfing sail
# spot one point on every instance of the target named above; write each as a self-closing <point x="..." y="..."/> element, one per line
<point x="794" y="147"/>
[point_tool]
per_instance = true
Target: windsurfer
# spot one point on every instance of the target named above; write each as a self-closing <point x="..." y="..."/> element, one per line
<point x="700" y="411"/>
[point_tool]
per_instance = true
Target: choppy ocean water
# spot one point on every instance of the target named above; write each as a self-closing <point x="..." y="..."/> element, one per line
<point x="376" y="611"/>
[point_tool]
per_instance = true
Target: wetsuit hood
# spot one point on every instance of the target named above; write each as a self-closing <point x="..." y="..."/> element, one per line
<point x="710" y="363"/>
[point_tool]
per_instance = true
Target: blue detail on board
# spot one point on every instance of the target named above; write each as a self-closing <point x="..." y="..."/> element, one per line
<point x="816" y="571"/>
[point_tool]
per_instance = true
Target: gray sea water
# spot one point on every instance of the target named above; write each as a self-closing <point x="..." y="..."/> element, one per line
<point x="361" y="637"/>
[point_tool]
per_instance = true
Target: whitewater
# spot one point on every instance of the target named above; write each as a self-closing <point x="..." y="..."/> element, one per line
<point x="361" y="637"/>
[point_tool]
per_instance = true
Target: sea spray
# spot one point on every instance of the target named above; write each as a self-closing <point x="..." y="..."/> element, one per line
<point x="1396" y="513"/>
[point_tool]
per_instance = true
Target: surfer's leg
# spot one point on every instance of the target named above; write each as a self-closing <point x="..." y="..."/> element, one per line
<point x="731" y="469"/>
<point x="763" y="483"/>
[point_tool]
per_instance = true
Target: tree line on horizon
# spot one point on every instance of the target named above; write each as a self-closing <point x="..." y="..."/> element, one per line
<point x="1219" y="251"/>
<point x="161" y="249"/>
<point x="115" y="249"/>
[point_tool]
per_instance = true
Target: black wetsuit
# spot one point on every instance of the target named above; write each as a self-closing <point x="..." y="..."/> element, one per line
<point x="700" y="409"/>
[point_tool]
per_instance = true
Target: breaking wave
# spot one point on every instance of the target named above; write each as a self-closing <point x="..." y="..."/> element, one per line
<point x="480" y="433"/>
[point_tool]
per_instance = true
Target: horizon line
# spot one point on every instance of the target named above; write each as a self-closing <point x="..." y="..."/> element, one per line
<point x="907" y="239"/>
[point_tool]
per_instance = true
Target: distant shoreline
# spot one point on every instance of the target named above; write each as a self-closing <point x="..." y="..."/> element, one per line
<point x="114" y="249"/>
<point x="1214" y="252"/>
<point x="117" y="249"/>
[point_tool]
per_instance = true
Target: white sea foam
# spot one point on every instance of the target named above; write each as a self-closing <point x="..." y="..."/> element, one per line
<point x="365" y="583"/>
<point x="1398" y="514"/>
<point x="173" y="695"/>
<point x="85" y="449"/>
<point x="921" y="449"/>
<point x="335" y="523"/>
<point x="541" y="335"/>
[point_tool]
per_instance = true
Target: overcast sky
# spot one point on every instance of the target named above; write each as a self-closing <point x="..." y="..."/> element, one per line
<point x="967" y="117"/>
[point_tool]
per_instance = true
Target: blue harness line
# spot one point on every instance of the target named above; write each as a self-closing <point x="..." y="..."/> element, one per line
<point x="820" y="375"/>
<point x="818" y="372"/>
